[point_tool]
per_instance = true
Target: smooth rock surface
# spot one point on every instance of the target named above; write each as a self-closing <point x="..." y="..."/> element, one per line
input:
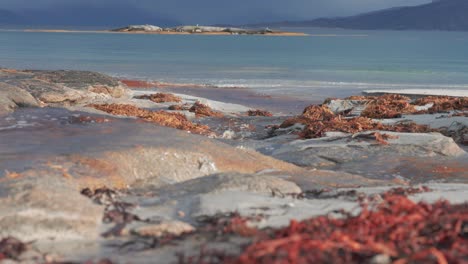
<point x="175" y="228"/>
<point x="367" y="157"/>
<point x="64" y="87"/>
<point x="46" y="207"/>
<point x="12" y="97"/>
<point x="120" y="152"/>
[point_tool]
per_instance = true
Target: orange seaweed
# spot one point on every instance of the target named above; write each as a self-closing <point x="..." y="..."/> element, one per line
<point x="161" y="98"/>
<point x="397" y="228"/>
<point x="202" y="110"/>
<point x="388" y="106"/>
<point x="259" y="112"/>
<point x="443" y="104"/>
<point x="174" y="120"/>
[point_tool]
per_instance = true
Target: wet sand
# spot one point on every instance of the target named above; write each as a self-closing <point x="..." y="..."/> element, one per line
<point x="273" y="103"/>
<point x="286" y="105"/>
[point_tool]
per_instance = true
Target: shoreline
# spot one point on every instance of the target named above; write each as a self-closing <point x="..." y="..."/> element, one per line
<point x="97" y="171"/>
<point x="280" y="34"/>
<point x="237" y="95"/>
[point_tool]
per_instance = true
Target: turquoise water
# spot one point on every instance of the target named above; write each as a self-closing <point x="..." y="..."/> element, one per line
<point x="305" y="67"/>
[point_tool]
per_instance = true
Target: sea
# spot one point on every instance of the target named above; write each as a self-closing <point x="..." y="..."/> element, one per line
<point x="327" y="63"/>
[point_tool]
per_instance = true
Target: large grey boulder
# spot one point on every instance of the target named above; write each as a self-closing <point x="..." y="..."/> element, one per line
<point x="46" y="207"/>
<point x="182" y="201"/>
<point x="123" y="152"/>
<point x="407" y="155"/>
<point x="59" y="88"/>
<point x="255" y="183"/>
<point x="12" y="97"/>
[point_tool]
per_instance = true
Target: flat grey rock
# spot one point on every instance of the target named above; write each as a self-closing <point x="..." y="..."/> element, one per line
<point x="62" y="88"/>
<point x="403" y="157"/>
<point x="47" y="207"/>
<point x="12" y="97"/>
<point x="119" y="153"/>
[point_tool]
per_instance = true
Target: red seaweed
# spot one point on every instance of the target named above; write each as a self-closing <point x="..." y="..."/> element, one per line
<point x="397" y="229"/>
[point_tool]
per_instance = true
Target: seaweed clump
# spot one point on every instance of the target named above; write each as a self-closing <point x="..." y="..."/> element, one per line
<point x="160" y="98"/>
<point x="203" y="110"/>
<point x="259" y="112"/>
<point x="180" y="107"/>
<point x="137" y="84"/>
<point x="174" y="120"/>
<point x="388" y="106"/>
<point x="443" y="103"/>
<point x="396" y="230"/>
<point x="319" y="119"/>
<point x="12" y="248"/>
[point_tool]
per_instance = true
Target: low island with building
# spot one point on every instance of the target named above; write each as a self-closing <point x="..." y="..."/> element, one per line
<point x="186" y="30"/>
<point x="197" y="29"/>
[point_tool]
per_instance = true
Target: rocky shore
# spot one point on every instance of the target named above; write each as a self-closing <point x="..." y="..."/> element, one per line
<point x="181" y="30"/>
<point x="207" y="30"/>
<point x="94" y="171"/>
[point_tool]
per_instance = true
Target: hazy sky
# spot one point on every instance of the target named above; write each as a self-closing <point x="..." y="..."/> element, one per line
<point x="223" y="11"/>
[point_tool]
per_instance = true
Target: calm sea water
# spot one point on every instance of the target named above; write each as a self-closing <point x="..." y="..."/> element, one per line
<point x="343" y="62"/>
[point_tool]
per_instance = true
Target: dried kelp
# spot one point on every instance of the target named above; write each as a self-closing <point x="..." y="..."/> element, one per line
<point x="12" y="248"/>
<point x="319" y="119"/>
<point x="116" y="212"/>
<point x="161" y="98"/>
<point x="202" y="110"/>
<point x="174" y="120"/>
<point x="397" y="230"/>
<point x="388" y="106"/>
<point x="442" y="104"/>
<point x="180" y="107"/>
<point x="259" y="112"/>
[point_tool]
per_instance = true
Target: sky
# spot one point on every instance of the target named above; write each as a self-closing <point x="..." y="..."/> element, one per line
<point x="218" y="11"/>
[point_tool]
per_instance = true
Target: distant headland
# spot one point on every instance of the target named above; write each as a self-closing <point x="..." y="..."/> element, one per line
<point x="183" y="30"/>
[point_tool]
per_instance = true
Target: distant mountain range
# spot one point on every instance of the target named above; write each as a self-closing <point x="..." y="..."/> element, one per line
<point x="82" y="16"/>
<point x="438" y="15"/>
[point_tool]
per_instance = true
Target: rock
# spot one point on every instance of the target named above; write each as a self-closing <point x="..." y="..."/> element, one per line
<point x="404" y="155"/>
<point x="175" y="228"/>
<point x="169" y="201"/>
<point x="355" y="107"/>
<point x="199" y="29"/>
<point x="59" y="88"/>
<point x="455" y="127"/>
<point x="277" y="212"/>
<point x="12" y="97"/>
<point x="254" y="183"/>
<point x="123" y="152"/>
<point x="145" y="28"/>
<point x="46" y="207"/>
<point x="381" y="259"/>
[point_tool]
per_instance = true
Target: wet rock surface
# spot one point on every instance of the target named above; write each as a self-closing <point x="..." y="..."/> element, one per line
<point x="64" y="87"/>
<point x="84" y="184"/>
<point x="46" y="207"/>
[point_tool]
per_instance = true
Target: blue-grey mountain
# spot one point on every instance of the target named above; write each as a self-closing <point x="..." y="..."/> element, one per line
<point x="438" y="15"/>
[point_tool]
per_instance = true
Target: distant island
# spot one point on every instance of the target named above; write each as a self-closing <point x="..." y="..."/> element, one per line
<point x="197" y="29"/>
<point x="184" y="30"/>
<point x="447" y="15"/>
